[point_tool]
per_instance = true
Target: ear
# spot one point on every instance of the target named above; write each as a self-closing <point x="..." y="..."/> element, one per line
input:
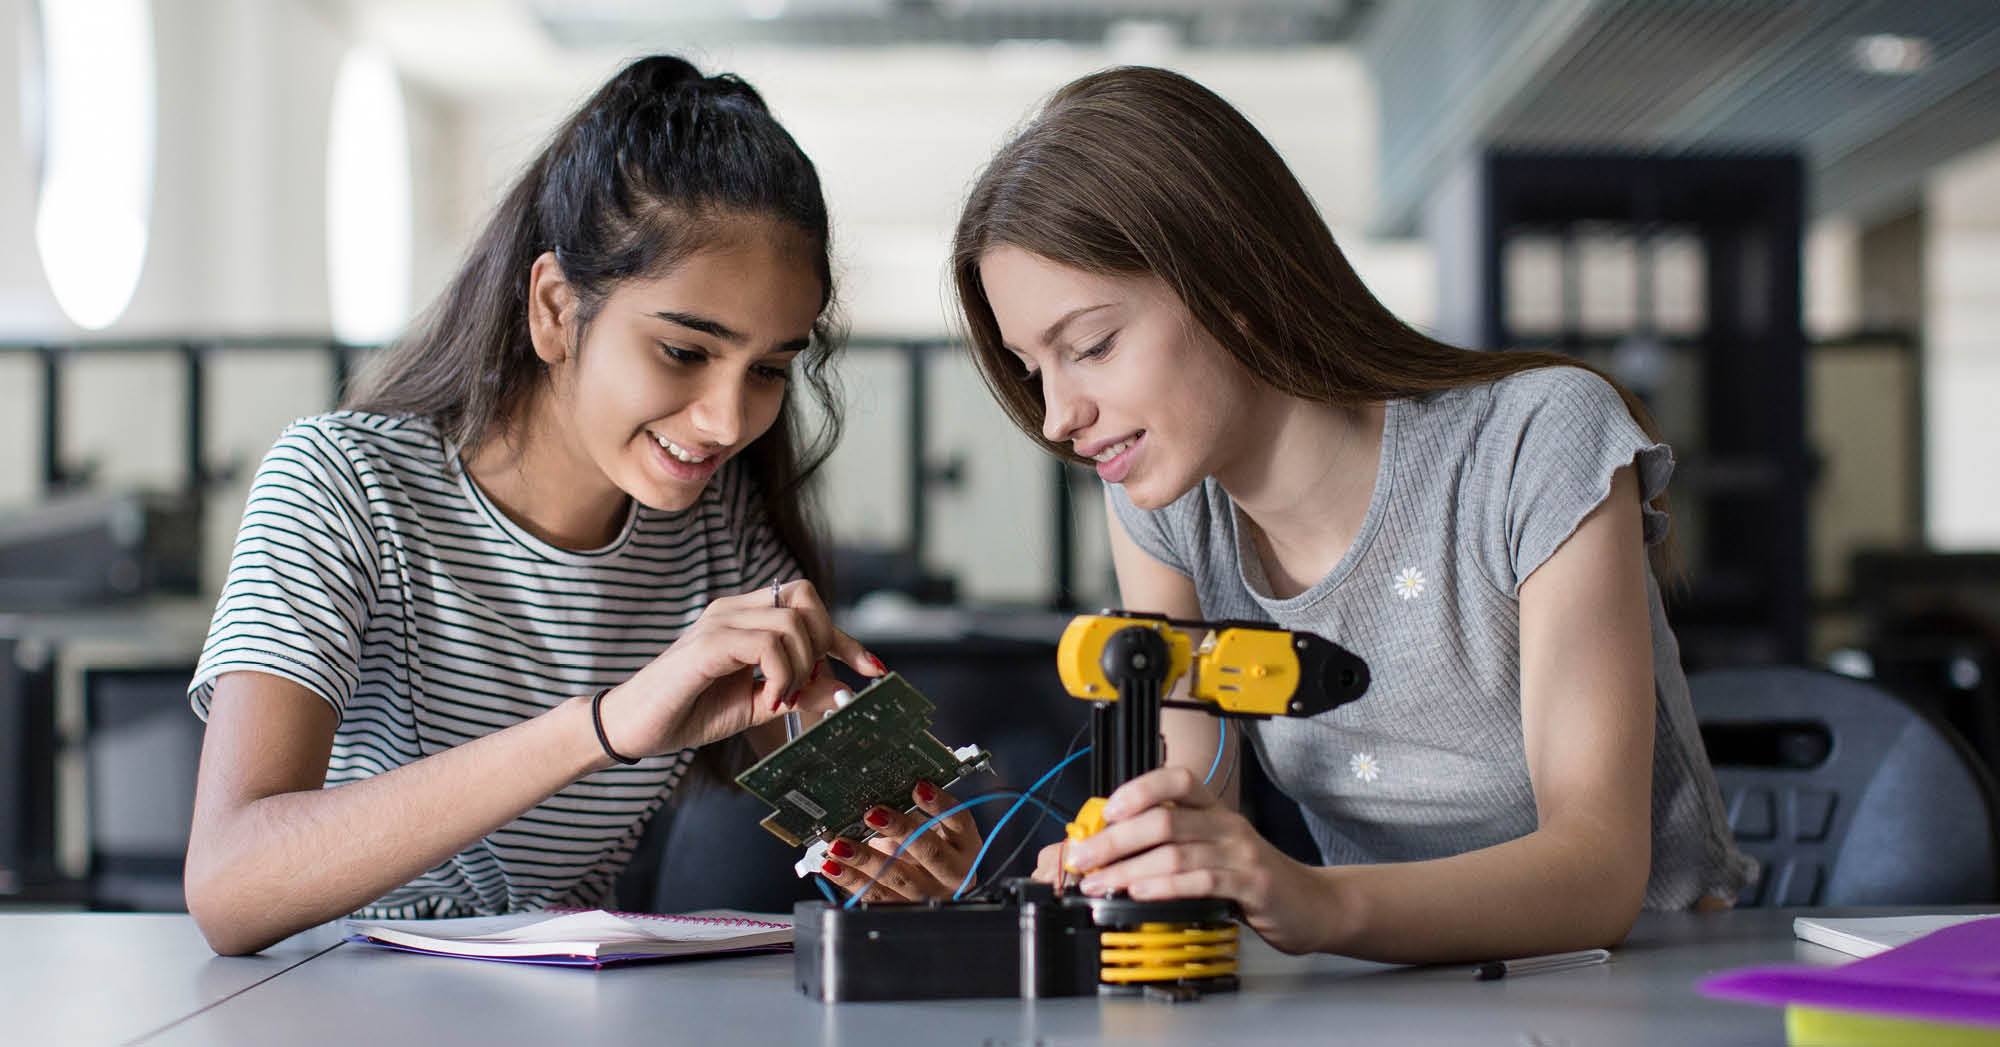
<point x="551" y="309"/>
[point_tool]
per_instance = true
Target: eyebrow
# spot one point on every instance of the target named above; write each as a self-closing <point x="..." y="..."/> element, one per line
<point x="1049" y="336"/>
<point x="723" y="331"/>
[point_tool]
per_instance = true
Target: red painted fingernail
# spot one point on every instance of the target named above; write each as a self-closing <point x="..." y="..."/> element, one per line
<point x="926" y="792"/>
<point x="877" y="817"/>
<point x="877" y="663"/>
<point x="817" y="666"/>
<point x="841" y="849"/>
<point x="833" y="869"/>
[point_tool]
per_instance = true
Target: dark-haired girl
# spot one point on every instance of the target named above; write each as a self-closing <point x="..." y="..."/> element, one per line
<point x="476" y="622"/>
<point x="1147" y="288"/>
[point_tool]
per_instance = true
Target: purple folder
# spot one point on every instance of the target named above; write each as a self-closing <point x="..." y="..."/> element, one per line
<point x="1950" y="975"/>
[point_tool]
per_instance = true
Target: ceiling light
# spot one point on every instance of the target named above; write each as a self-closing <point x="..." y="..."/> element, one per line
<point x="1891" y="54"/>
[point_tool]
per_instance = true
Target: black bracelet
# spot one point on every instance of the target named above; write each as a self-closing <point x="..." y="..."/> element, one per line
<point x="597" y="721"/>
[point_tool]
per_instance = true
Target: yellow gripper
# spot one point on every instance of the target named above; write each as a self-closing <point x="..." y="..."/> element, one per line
<point x="1168" y="952"/>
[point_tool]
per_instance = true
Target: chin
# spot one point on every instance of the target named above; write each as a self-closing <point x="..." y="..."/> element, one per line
<point x="664" y="498"/>
<point x="1151" y="496"/>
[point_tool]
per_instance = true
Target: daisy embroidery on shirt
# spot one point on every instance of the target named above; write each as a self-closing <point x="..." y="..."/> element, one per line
<point x="1409" y="584"/>
<point x="1364" y="767"/>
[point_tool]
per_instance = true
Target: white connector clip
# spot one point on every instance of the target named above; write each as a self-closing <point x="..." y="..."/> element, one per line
<point x="814" y="861"/>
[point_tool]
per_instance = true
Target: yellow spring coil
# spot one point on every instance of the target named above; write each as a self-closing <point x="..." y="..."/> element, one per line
<point x="1163" y="952"/>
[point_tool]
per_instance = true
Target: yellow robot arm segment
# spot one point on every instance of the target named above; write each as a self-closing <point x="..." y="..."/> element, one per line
<point x="1242" y="670"/>
<point x="1082" y="646"/>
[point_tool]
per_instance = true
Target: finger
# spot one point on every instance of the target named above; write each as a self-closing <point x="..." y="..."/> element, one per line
<point x="1047" y="863"/>
<point x="850" y="650"/>
<point x="901" y="880"/>
<point x="802" y="600"/>
<point x="1121" y="840"/>
<point x="1174" y="871"/>
<point x="849" y="874"/>
<point x="1167" y="785"/>
<point x="945" y="850"/>
<point x="960" y="828"/>
<point x="894" y="824"/>
<point x="768" y="653"/>
<point x="931" y="850"/>
<point x="816" y="695"/>
<point x="784" y="624"/>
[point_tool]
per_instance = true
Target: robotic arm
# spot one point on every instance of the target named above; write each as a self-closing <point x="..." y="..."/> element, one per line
<point x="1126" y="663"/>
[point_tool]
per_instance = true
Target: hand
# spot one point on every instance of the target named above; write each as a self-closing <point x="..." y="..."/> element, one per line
<point x="933" y="867"/>
<point x="702" y="689"/>
<point x="1168" y="837"/>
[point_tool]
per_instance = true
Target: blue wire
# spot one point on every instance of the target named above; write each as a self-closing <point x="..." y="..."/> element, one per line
<point x="998" y="794"/>
<point x="1221" y="745"/>
<point x="825" y="888"/>
<point x="995" y="834"/>
<point x="1220" y="741"/>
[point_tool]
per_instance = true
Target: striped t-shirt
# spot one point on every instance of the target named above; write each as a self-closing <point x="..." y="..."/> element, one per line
<point x="372" y="571"/>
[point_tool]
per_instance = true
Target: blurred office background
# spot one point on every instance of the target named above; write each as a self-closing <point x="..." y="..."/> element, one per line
<point x="1779" y="222"/>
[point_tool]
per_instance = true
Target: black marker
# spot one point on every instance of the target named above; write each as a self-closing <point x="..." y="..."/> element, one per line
<point x="1492" y="969"/>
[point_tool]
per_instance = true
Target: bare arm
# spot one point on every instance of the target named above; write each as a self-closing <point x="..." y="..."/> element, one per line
<point x="271" y="852"/>
<point x="1587" y="712"/>
<point x="1576" y="881"/>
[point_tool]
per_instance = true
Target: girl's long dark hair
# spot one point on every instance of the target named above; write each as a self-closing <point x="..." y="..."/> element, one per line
<point x="631" y="185"/>
<point x="1137" y="171"/>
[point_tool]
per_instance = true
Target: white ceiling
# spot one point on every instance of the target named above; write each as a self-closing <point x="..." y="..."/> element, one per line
<point x="1451" y="75"/>
<point x="474" y="49"/>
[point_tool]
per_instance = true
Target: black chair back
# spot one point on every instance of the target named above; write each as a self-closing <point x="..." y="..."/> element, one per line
<point x="1844" y="793"/>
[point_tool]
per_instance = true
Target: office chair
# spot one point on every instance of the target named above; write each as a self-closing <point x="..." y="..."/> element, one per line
<point x="1844" y="793"/>
<point x="141" y="754"/>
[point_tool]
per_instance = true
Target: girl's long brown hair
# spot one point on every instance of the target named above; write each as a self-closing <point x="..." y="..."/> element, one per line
<point x="631" y="185"/>
<point x="1137" y="171"/>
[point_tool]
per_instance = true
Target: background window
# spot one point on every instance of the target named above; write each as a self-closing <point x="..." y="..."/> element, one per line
<point x="368" y="202"/>
<point x="92" y="142"/>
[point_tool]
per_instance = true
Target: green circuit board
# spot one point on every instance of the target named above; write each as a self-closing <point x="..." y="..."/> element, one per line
<point x="873" y="751"/>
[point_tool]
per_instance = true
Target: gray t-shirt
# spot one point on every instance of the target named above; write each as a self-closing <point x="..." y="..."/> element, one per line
<point x="1477" y="487"/>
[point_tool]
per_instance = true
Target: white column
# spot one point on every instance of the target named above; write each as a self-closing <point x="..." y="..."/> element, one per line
<point x="238" y="240"/>
<point x="1962" y="353"/>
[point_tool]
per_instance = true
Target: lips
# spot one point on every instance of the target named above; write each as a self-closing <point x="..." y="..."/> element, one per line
<point x="681" y="466"/>
<point x="679" y="453"/>
<point x="1114" y="461"/>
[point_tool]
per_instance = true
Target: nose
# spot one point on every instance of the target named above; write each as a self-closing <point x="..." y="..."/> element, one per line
<point x="720" y="413"/>
<point x="1065" y="411"/>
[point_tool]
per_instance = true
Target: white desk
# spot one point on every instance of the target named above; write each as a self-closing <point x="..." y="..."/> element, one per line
<point x="109" y="978"/>
<point x="359" y="994"/>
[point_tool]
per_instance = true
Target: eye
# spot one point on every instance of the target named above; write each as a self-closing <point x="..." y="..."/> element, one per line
<point x="771" y="373"/>
<point x="683" y="356"/>
<point x="1097" y="350"/>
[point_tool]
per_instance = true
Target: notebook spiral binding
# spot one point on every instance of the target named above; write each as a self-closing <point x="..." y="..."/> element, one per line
<point x="726" y="921"/>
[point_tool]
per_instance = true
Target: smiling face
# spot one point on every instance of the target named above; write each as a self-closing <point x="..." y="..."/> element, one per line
<point x="676" y="374"/>
<point x="1127" y="377"/>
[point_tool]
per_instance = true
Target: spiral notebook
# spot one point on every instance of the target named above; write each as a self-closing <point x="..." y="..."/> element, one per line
<point x="1866" y="936"/>
<point x="580" y="937"/>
